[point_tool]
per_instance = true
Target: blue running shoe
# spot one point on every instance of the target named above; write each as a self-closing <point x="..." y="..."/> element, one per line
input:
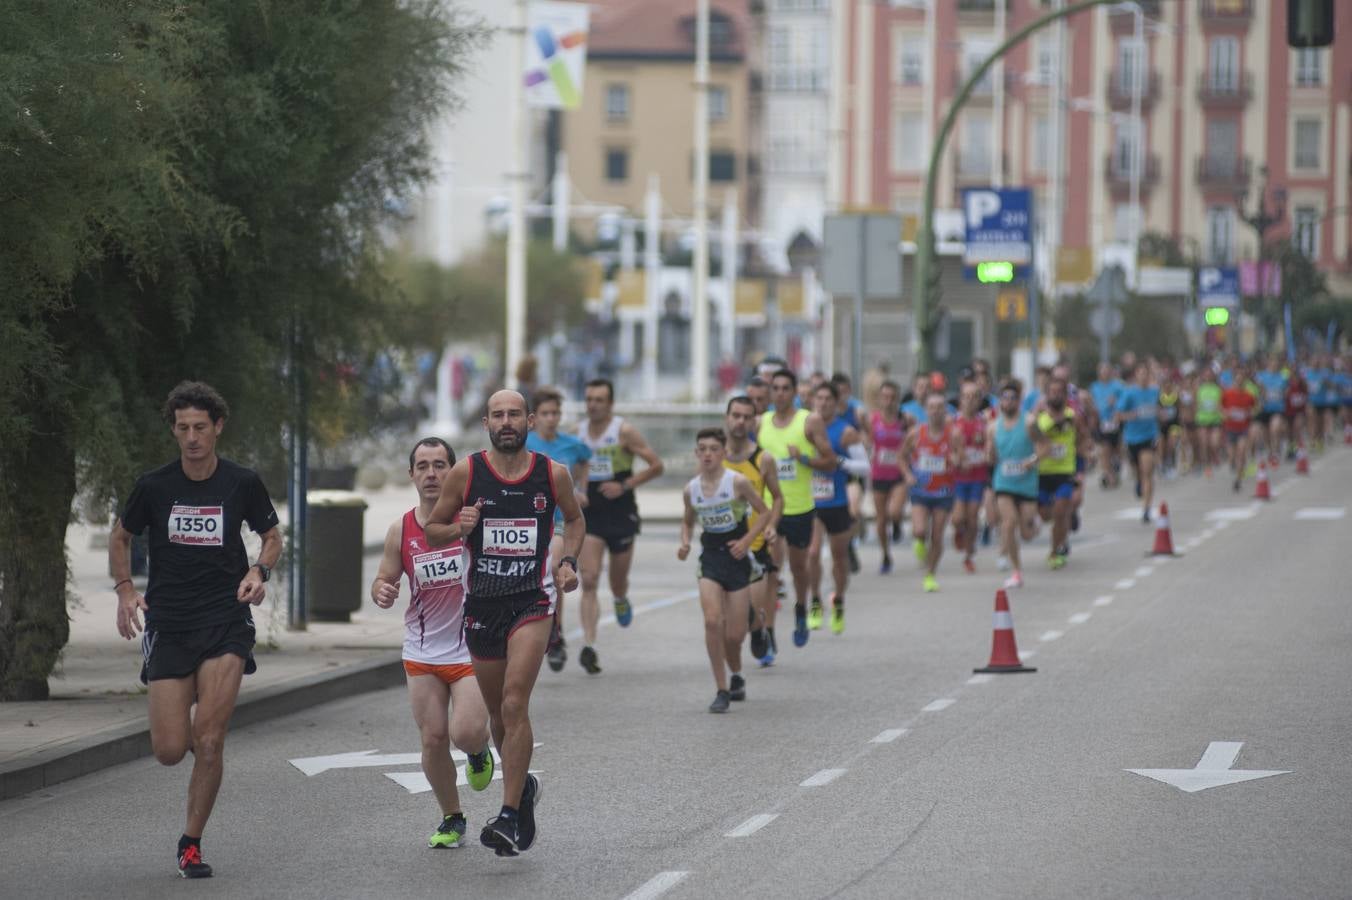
<point x="800" y="631"/>
<point x="624" y="612"/>
<point x="767" y="660"/>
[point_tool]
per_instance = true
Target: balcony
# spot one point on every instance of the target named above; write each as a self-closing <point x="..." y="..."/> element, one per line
<point x="1226" y="12"/>
<point x="1224" y="93"/>
<point x="1225" y="175"/>
<point x="1122" y="20"/>
<point x="1117" y="172"/>
<point x="1119" y="89"/>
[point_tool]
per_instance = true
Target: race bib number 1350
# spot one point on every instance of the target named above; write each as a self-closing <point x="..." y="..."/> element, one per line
<point x="197" y="526"/>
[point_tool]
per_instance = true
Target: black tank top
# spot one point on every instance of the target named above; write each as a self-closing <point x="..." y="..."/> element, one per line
<point x="509" y="548"/>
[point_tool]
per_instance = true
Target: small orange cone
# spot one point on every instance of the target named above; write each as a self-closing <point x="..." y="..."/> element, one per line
<point x="1164" y="539"/>
<point x="1004" y="652"/>
<point x="1261" y="490"/>
<point x="1302" y="460"/>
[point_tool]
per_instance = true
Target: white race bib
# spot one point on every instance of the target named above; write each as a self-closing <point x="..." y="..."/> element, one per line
<point x="509" y="537"/>
<point x="438" y="569"/>
<point x="823" y="487"/>
<point x="1013" y="468"/>
<point x="197" y="526"/>
<point x="601" y="467"/>
<point x="887" y="457"/>
<point x="931" y="463"/>
<point x="788" y="469"/>
<point x="1058" y="451"/>
<point x="717" y="519"/>
<point x="1237" y="414"/>
<point x="976" y="456"/>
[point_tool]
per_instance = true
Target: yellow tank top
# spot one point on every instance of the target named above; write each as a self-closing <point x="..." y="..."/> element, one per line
<point x="1062" y="458"/>
<point x="750" y="470"/>
<point x="795" y="478"/>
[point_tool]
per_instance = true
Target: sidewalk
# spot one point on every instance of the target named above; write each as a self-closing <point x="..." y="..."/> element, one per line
<point x="96" y="716"/>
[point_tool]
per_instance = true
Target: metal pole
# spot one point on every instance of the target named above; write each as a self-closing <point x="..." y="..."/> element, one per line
<point x="516" y="227"/>
<point x="925" y="237"/>
<point x="560" y="198"/>
<point x="1034" y="297"/>
<point x="652" y="266"/>
<point x="699" y="355"/>
<point x="297" y="615"/>
<point x="857" y="333"/>
<point x="1137" y="143"/>
<point x="727" y="332"/>
<point x="998" y="112"/>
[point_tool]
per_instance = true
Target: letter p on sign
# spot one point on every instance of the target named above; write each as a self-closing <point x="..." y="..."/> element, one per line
<point x="981" y="205"/>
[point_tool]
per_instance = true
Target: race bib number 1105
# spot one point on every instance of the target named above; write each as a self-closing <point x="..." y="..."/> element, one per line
<point x="509" y="537"/>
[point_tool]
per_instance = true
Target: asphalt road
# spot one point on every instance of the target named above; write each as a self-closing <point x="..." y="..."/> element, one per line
<point x="864" y="765"/>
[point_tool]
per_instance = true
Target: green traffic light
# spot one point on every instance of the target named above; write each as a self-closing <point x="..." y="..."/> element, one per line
<point x="1217" y="315"/>
<point x="994" y="272"/>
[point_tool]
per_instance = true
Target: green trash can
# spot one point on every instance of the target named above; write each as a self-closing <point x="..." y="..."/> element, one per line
<point x="333" y="571"/>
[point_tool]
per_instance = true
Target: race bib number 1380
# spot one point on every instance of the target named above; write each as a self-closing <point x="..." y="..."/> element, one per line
<point x="509" y="537"/>
<point x="197" y="526"/>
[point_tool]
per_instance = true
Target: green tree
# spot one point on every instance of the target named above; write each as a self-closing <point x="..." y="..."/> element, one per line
<point x="180" y="184"/>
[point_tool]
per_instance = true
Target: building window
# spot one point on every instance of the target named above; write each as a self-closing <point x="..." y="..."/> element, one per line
<point x="911" y="60"/>
<point x="1220" y="235"/>
<point x="1222" y="145"/>
<point x="909" y="142"/>
<point x="1309" y="133"/>
<point x="1309" y="67"/>
<point x="617" y="103"/>
<point x="975" y="154"/>
<point x="1223" y="67"/>
<point x="1124" y="147"/>
<point x="974" y="53"/>
<point x="1124" y="222"/>
<point x="1306" y="232"/>
<point x="1039" y="142"/>
<point x="722" y="166"/>
<point x="1130" y="55"/>
<point x="617" y="164"/>
<point x="718" y="104"/>
<point x="798" y="58"/>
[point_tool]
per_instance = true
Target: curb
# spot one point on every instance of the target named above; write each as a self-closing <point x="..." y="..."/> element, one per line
<point x="124" y="743"/>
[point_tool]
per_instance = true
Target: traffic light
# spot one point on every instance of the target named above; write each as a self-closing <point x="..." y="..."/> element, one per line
<point x="1309" y="23"/>
<point x="994" y="272"/>
<point x="1217" y="315"/>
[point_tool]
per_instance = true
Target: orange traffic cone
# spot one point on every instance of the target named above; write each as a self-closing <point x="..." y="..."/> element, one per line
<point x="1261" y="490"/>
<point x="1164" y="539"/>
<point x="1302" y="460"/>
<point x="1004" y="652"/>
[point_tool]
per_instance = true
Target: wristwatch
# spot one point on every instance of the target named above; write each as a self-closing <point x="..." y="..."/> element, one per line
<point x="264" y="573"/>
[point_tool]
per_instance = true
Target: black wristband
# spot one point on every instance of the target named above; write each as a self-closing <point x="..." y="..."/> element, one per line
<point x="120" y="583"/>
<point x="571" y="560"/>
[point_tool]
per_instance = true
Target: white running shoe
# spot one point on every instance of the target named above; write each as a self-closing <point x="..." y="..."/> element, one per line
<point x="1002" y="563"/>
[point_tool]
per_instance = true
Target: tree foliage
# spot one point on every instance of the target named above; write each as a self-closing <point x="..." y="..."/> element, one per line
<point x="181" y="183"/>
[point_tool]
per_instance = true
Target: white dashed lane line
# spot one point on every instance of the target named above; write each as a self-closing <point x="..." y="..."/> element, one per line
<point x="1104" y="600"/>
<point x="1048" y="636"/>
<point x="888" y="736"/>
<point x="825" y="776"/>
<point x="656" y="886"/>
<point x="939" y="705"/>
<point x="1125" y="584"/>
<point x="1079" y="618"/>
<point x="1144" y="571"/>
<point x="979" y="679"/>
<point x="752" y="825"/>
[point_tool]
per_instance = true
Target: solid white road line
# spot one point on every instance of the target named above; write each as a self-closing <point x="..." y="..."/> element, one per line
<point x="658" y="885"/>
<point x="1079" y="618"/>
<point x="888" y="736"/>
<point x="939" y="705"/>
<point x="1050" y="636"/>
<point x="1104" y="600"/>
<point x="752" y="825"/>
<point x="825" y="776"/>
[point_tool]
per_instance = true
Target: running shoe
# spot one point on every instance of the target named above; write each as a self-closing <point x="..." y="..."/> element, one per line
<point x="854" y="558"/>
<point x="501" y="835"/>
<point x="530" y="797"/>
<point x="886" y="567"/>
<point x="1015" y="580"/>
<point x="190" y="863"/>
<point x="450" y="832"/>
<point x="737" y="687"/>
<point x="624" y="612"/>
<point x="814" y="614"/>
<point x="837" y="620"/>
<point x="1056" y="561"/>
<point x="918" y="546"/>
<point x="589" y="661"/>
<point x="558" y="654"/>
<point x="1145" y="516"/>
<point x="1002" y="563"/>
<point x="969" y="565"/>
<point x="800" y="628"/>
<point x="760" y="643"/>
<point x="768" y="659"/>
<point x="479" y="771"/>
<point x="931" y="583"/>
<point x="722" y="700"/>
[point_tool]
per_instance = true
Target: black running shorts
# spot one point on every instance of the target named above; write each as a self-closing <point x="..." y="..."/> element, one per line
<point x="797" y="530"/>
<point x="720" y="567"/>
<point x="491" y="621"/>
<point x="835" y="519"/>
<point x="614" y="521"/>
<point x="178" y="654"/>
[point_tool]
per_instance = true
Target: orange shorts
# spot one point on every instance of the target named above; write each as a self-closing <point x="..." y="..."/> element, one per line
<point x="447" y="673"/>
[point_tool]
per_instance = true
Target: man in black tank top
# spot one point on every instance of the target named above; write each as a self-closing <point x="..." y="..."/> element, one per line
<point x="501" y="503"/>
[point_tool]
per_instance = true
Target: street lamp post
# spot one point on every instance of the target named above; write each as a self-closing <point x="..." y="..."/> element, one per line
<point x="1261" y="220"/>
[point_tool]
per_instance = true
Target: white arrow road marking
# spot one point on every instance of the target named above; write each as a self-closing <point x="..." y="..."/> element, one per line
<point x="417" y="783"/>
<point x="658" y="885"/>
<point x="1212" y="770"/>
<point x="825" y="776"/>
<point x="888" y="736"/>
<point x="1320" y="513"/>
<point x="752" y="825"/>
<point x="315" y="765"/>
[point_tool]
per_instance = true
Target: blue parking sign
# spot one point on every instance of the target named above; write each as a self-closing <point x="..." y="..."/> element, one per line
<point x="1218" y="286"/>
<point x="999" y="225"/>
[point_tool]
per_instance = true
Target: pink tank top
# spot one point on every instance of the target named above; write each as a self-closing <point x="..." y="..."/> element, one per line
<point x="887" y="441"/>
<point x="434" y="620"/>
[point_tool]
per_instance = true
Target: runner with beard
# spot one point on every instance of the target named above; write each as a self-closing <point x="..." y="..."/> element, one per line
<point x="1012" y="439"/>
<point x="1062" y="434"/>
<point x="501" y="502"/>
<point x="758" y="467"/>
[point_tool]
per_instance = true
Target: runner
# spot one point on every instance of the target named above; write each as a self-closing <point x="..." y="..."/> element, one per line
<point x="198" y="638"/>
<point x="929" y="464"/>
<point x="797" y="441"/>
<point x="500" y="502"/>
<point x="835" y="524"/>
<point x="1237" y="405"/>
<point x="853" y="413"/>
<point x="758" y="391"/>
<point x="612" y="513"/>
<point x="1137" y="410"/>
<point x="718" y="497"/>
<point x="436" y="660"/>
<point x="1060" y="435"/>
<point x="1269" y="426"/>
<point x="1296" y="403"/>
<point x="1209" y="419"/>
<point x="1013" y="439"/>
<point x="1324" y="399"/>
<point x="545" y="437"/>
<point x="973" y="473"/>
<point x="889" y="488"/>
<point x="1171" y="428"/>
<point x="758" y="467"/>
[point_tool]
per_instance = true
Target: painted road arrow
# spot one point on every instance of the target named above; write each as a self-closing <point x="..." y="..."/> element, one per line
<point x="361" y="759"/>
<point x="1212" y="770"/>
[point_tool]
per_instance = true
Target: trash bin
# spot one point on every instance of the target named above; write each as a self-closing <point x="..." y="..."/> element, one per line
<point x="333" y="571"/>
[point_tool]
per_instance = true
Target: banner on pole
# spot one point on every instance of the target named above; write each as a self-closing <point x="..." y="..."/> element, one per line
<point x="556" y="54"/>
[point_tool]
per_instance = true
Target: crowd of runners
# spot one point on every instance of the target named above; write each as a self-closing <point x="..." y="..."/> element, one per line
<point x="780" y="496"/>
